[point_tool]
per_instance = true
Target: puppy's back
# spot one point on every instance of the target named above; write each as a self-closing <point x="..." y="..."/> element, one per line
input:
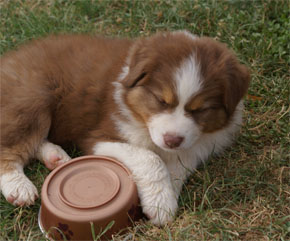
<point x="51" y="73"/>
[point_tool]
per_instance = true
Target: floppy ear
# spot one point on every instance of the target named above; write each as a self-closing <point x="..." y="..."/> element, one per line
<point x="139" y="63"/>
<point x="236" y="85"/>
<point x="136" y="75"/>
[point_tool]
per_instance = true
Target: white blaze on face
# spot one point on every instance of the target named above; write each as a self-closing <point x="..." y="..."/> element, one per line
<point x="176" y="123"/>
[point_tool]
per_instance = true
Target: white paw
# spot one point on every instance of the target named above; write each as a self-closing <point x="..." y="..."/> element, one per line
<point x="18" y="189"/>
<point x="157" y="197"/>
<point x="159" y="205"/>
<point x="52" y="155"/>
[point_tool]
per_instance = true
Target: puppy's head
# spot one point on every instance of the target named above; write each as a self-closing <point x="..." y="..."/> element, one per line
<point x="181" y="86"/>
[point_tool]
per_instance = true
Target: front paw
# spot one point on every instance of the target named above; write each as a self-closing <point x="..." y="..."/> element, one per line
<point x="157" y="197"/>
<point x="159" y="205"/>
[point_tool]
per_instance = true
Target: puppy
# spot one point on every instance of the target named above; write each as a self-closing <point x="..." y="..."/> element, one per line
<point x="161" y="105"/>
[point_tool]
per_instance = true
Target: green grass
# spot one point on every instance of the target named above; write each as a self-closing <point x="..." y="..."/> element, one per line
<point x="241" y="195"/>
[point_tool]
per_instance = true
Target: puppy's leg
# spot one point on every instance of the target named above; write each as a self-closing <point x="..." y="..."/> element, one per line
<point x="19" y="144"/>
<point x="15" y="186"/>
<point x="151" y="176"/>
<point x="51" y="155"/>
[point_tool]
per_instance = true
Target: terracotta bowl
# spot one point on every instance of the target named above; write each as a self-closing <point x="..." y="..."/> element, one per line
<point x="89" y="191"/>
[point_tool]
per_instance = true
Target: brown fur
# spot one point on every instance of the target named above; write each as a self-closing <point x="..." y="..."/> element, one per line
<point x="56" y="88"/>
<point x="60" y="88"/>
<point x="225" y="81"/>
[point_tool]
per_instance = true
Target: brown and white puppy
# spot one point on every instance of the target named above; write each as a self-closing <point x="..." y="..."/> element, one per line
<point x="161" y="105"/>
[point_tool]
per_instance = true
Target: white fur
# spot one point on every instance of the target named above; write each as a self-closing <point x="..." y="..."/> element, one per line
<point x="175" y="123"/>
<point x="188" y="80"/>
<point x="124" y="73"/>
<point x="51" y="155"/>
<point x="150" y="174"/>
<point x="128" y="127"/>
<point x="17" y="188"/>
<point x="188" y="83"/>
<point x="181" y="163"/>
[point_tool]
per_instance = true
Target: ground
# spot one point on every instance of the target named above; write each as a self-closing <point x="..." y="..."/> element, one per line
<point x="240" y="195"/>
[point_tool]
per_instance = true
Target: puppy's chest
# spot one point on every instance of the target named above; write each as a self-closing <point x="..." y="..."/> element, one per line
<point x="132" y="131"/>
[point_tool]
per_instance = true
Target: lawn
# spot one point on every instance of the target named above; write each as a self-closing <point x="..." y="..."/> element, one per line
<point x="243" y="194"/>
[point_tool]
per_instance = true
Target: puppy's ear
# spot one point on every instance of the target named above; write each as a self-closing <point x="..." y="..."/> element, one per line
<point x="139" y="63"/>
<point x="137" y="75"/>
<point x="236" y="85"/>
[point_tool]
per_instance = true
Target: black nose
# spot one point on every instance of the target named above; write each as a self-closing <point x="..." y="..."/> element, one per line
<point x="172" y="141"/>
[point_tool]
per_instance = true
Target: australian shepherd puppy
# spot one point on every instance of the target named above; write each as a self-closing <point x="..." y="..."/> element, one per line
<point x="161" y="105"/>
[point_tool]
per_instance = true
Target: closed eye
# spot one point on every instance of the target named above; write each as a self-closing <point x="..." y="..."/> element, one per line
<point x="158" y="98"/>
<point x="161" y="100"/>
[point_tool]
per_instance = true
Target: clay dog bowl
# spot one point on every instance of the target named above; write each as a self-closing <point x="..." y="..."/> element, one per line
<point x="86" y="192"/>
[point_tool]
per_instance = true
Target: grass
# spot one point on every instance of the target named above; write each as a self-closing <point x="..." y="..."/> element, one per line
<point x="241" y="195"/>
